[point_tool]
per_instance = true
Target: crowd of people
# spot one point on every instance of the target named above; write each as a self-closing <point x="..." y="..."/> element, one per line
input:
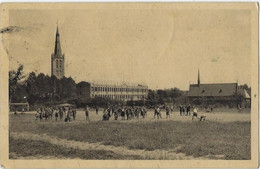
<point x="125" y="112"/>
<point x="128" y="112"/>
<point x="114" y="112"/>
<point x="60" y="113"/>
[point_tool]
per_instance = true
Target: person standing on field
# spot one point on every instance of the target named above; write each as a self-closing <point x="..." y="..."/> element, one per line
<point x="87" y="113"/>
<point x="56" y="115"/>
<point x="195" y="113"/>
<point x="188" y="110"/>
<point x="155" y="112"/>
<point x="74" y="114"/>
<point x="159" y="115"/>
<point x="167" y="112"/>
<point x="181" y="110"/>
<point x="96" y="110"/>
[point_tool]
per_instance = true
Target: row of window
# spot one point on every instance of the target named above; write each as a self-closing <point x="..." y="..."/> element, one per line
<point x="58" y="72"/>
<point x="57" y="63"/>
<point x="203" y="91"/>
<point x="113" y="89"/>
<point x="119" y="96"/>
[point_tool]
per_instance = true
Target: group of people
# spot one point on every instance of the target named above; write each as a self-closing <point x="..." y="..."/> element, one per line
<point x="125" y="112"/>
<point x="44" y="113"/>
<point x="22" y="112"/>
<point x="157" y="112"/>
<point x="185" y="110"/>
<point x="59" y="113"/>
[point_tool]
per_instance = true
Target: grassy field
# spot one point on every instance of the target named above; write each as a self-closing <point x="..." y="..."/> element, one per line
<point x="21" y="147"/>
<point x="212" y="139"/>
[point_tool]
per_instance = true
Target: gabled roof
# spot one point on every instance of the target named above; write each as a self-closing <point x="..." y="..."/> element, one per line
<point x="219" y="89"/>
<point x="83" y="83"/>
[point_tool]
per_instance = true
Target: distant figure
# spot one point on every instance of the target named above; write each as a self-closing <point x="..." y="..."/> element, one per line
<point x="108" y="111"/>
<point x="41" y="113"/>
<point x="171" y="109"/>
<point x="22" y="112"/>
<point x="188" y="110"/>
<point x="181" y="110"/>
<point x="158" y="113"/>
<point x="56" y="115"/>
<point x="67" y="118"/>
<point x="202" y="118"/>
<point x="195" y="113"/>
<point x="155" y="112"/>
<point x="74" y="114"/>
<point x="69" y="114"/>
<point x="127" y="114"/>
<point x="123" y="113"/>
<point x="113" y="110"/>
<point x="142" y="113"/>
<point x="211" y="109"/>
<point x="87" y="113"/>
<point x="96" y="110"/>
<point x="167" y="112"/>
<point x="105" y="115"/>
<point x="116" y="114"/>
<point x="15" y="112"/>
<point x="60" y="113"/>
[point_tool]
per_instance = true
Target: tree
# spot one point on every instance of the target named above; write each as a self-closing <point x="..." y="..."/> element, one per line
<point x="151" y="95"/>
<point x="175" y="92"/>
<point x="162" y="94"/>
<point x="14" y="78"/>
<point x="248" y="89"/>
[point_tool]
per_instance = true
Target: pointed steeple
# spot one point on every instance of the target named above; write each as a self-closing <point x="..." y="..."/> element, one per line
<point x="198" y="77"/>
<point x="57" y="49"/>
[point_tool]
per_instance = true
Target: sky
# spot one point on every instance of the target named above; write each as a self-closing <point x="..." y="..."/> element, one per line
<point x="159" y="48"/>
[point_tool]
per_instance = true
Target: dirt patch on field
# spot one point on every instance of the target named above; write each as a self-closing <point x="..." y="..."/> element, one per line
<point x="156" y="154"/>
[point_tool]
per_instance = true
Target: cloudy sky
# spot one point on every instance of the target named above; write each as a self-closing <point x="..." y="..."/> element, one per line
<point x="159" y="48"/>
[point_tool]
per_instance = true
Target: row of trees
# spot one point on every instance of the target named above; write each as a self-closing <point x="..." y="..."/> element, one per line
<point x="162" y="96"/>
<point x="42" y="88"/>
<point x="39" y="88"/>
<point x="46" y="89"/>
<point x="96" y="102"/>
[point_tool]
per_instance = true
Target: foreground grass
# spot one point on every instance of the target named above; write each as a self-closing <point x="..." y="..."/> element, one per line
<point x="22" y="148"/>
<point x="232" y="139"/>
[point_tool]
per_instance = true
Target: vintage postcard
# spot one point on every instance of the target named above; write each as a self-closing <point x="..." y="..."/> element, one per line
<point x="129" y="85"/>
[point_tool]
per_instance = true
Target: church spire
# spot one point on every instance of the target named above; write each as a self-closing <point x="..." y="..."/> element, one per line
<point x="57" y="49"/>
<point x="198" y="77"/>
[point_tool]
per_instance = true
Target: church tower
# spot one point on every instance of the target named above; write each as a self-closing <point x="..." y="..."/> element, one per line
<point x="57" y="59"/>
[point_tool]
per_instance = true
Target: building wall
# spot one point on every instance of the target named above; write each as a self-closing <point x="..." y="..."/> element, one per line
<point x="57" y="66"/>
<point x="83" y="90"/>
<point x="117" y="92"/>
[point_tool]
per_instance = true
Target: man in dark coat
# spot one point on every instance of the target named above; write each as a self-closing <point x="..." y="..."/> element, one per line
<point x="181" y="110"/>
<point x="74" y="114"/>
<point x="87" y="113"/>
<point x="96" y="110"/>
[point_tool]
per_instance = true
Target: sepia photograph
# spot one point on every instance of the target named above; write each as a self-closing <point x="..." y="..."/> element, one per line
<point x="152" y="82"/>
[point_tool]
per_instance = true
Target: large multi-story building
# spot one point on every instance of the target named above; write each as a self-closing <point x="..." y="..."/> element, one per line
<point x="123" y="92"/>
<point x="57" y="59"/>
